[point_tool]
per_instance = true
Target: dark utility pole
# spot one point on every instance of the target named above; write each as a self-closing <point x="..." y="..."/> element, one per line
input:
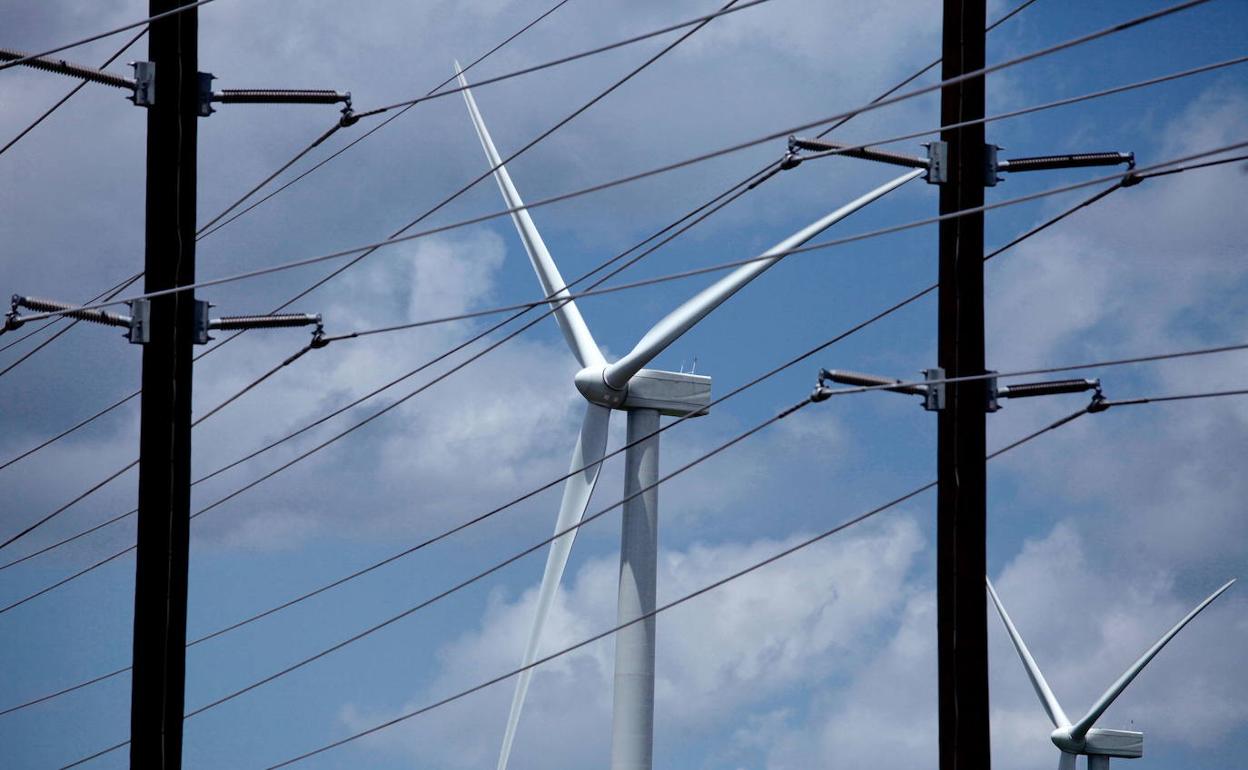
<point x="962" y="631"/>
<point x="158" y="681"/>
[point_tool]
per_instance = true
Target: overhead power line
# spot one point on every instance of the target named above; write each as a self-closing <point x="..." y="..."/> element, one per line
<point x="806" y="543"/>
<point x="71" y="93"/>
<point x="437" y="93"/>
<point x="1101" y="406"/>
<point x="1130" y="178"/>
<point x="376" y="415"/>
<point x="93" y="38"/>
<point x="603" y="94"/>
<point x="1017" y="9"/>
<point x="372" y="247"/>
<point x="718" y="202"/>
<point x="821" y="396"/>
<point x="777" y="556"/>
<point x="120" y="471"/>
<point x="231" y="207"/>
<point x="750" y="384"/>
<point x="208" y="229"/>
<point x="1143" y="171"/>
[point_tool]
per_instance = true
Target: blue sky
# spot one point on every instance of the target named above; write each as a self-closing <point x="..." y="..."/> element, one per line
<point x="1102" y="534"/>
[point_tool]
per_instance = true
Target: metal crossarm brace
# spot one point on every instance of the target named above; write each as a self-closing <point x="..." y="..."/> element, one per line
<point x="865" y="153"/>
<point x="869" y="380"/>
<point x="138" y="321"/>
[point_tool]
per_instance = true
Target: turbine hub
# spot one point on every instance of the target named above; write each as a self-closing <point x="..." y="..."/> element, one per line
<point x="1062" y="739"/>
<point x="592" y="383"/>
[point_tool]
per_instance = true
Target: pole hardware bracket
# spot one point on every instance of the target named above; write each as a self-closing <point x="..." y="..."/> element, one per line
<point x="140" y="331"/>
<point x="144" y="83"/>
<point x="138" y="323"/>
<point x="205" y="94"/>
<point x="937" y="162"/>
<point x="934" y="392"/>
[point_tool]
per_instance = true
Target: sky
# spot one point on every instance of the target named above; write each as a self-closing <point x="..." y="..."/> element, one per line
<point x="1102" y="534"/>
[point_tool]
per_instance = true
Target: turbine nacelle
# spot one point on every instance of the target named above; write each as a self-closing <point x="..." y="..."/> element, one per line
<point x="1081" y="737"/>
<point x="675" y="394"/>
<point x="1125" y="744"/>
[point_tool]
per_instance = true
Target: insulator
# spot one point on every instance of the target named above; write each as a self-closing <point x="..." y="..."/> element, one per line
<point x="52" y="306"/>
<point x="870" y="381"/>
<point x="63" y="67"/>
<point x="864" y="153"/>
<point x="235" y="322"/>
<point x="1075" y="160"/>
<point x="279" y="96"/>
<point x="1030" y="389"/>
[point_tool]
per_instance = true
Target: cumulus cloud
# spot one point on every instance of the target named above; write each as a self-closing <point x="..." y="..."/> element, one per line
<point x="810" y="618"/>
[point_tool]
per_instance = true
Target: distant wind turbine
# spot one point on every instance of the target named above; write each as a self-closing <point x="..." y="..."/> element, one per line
<point x="1081" y="737"/>
<point x="645" y="394"/>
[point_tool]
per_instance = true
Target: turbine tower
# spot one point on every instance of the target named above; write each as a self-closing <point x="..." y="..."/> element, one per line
<point x="644" y="394"/>
<point x="1081" y="737"/>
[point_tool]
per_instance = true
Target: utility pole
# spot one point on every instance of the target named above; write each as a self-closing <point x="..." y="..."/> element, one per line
<point x="961" y="507"/>
<point x="158" y="681"/>
<point x="176" y="94"/>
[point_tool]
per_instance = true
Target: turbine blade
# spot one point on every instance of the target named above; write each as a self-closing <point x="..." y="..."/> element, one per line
<point x="1043" y="692"/>
<point x="1066" y="762"/>
<point x="575" y="332"/>
<point x="590" y="447"/>
<point x="1083" y="725"/>
<point x="683" y="318"/>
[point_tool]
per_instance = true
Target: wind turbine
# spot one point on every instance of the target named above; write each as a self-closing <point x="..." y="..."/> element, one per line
<point x="1081" y="737"/>
<point x="644" y="394"/>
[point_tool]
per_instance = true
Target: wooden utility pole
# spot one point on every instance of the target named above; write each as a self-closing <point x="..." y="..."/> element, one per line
<point x="962" y="630"/>
<point x="158" y="681"/>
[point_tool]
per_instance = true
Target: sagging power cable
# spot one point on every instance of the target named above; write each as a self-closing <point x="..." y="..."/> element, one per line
<point x="200" y="233"/>
<point x="31" y="57"/>
<point x="323" y="444"/>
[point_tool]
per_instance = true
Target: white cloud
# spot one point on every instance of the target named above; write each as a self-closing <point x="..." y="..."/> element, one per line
<point x="808" y="618"/>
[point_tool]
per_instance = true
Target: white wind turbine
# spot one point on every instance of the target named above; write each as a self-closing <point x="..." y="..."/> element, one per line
<point x="1081" y="737"/>
<point x="644" y="394"/>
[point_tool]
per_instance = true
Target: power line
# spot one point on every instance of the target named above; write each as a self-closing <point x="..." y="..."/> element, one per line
<point x="371" y="247"/>
<point x="234" y="205"/>
<point x="674" y="603"/>
<point x="820" y="395"/>
<point x="119" y="472"/>
<point x="792" y="362"/>
<point x="93" y="38"/>
<point x="1143" y="173"/>
<point x="479" y="576"/>
<point x="107" y="295"/>
<point x="632" y="73"/>
<point x="1131" y="178"/>
<point x="711" y="586"/>
<point x="205" y="230"/>
<point x="71" y="93"/>
<point x="740" y="188"/>
<point x="430" y="541"/>
<point x="750" y="384"/>
<point x="573" y="57"/>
